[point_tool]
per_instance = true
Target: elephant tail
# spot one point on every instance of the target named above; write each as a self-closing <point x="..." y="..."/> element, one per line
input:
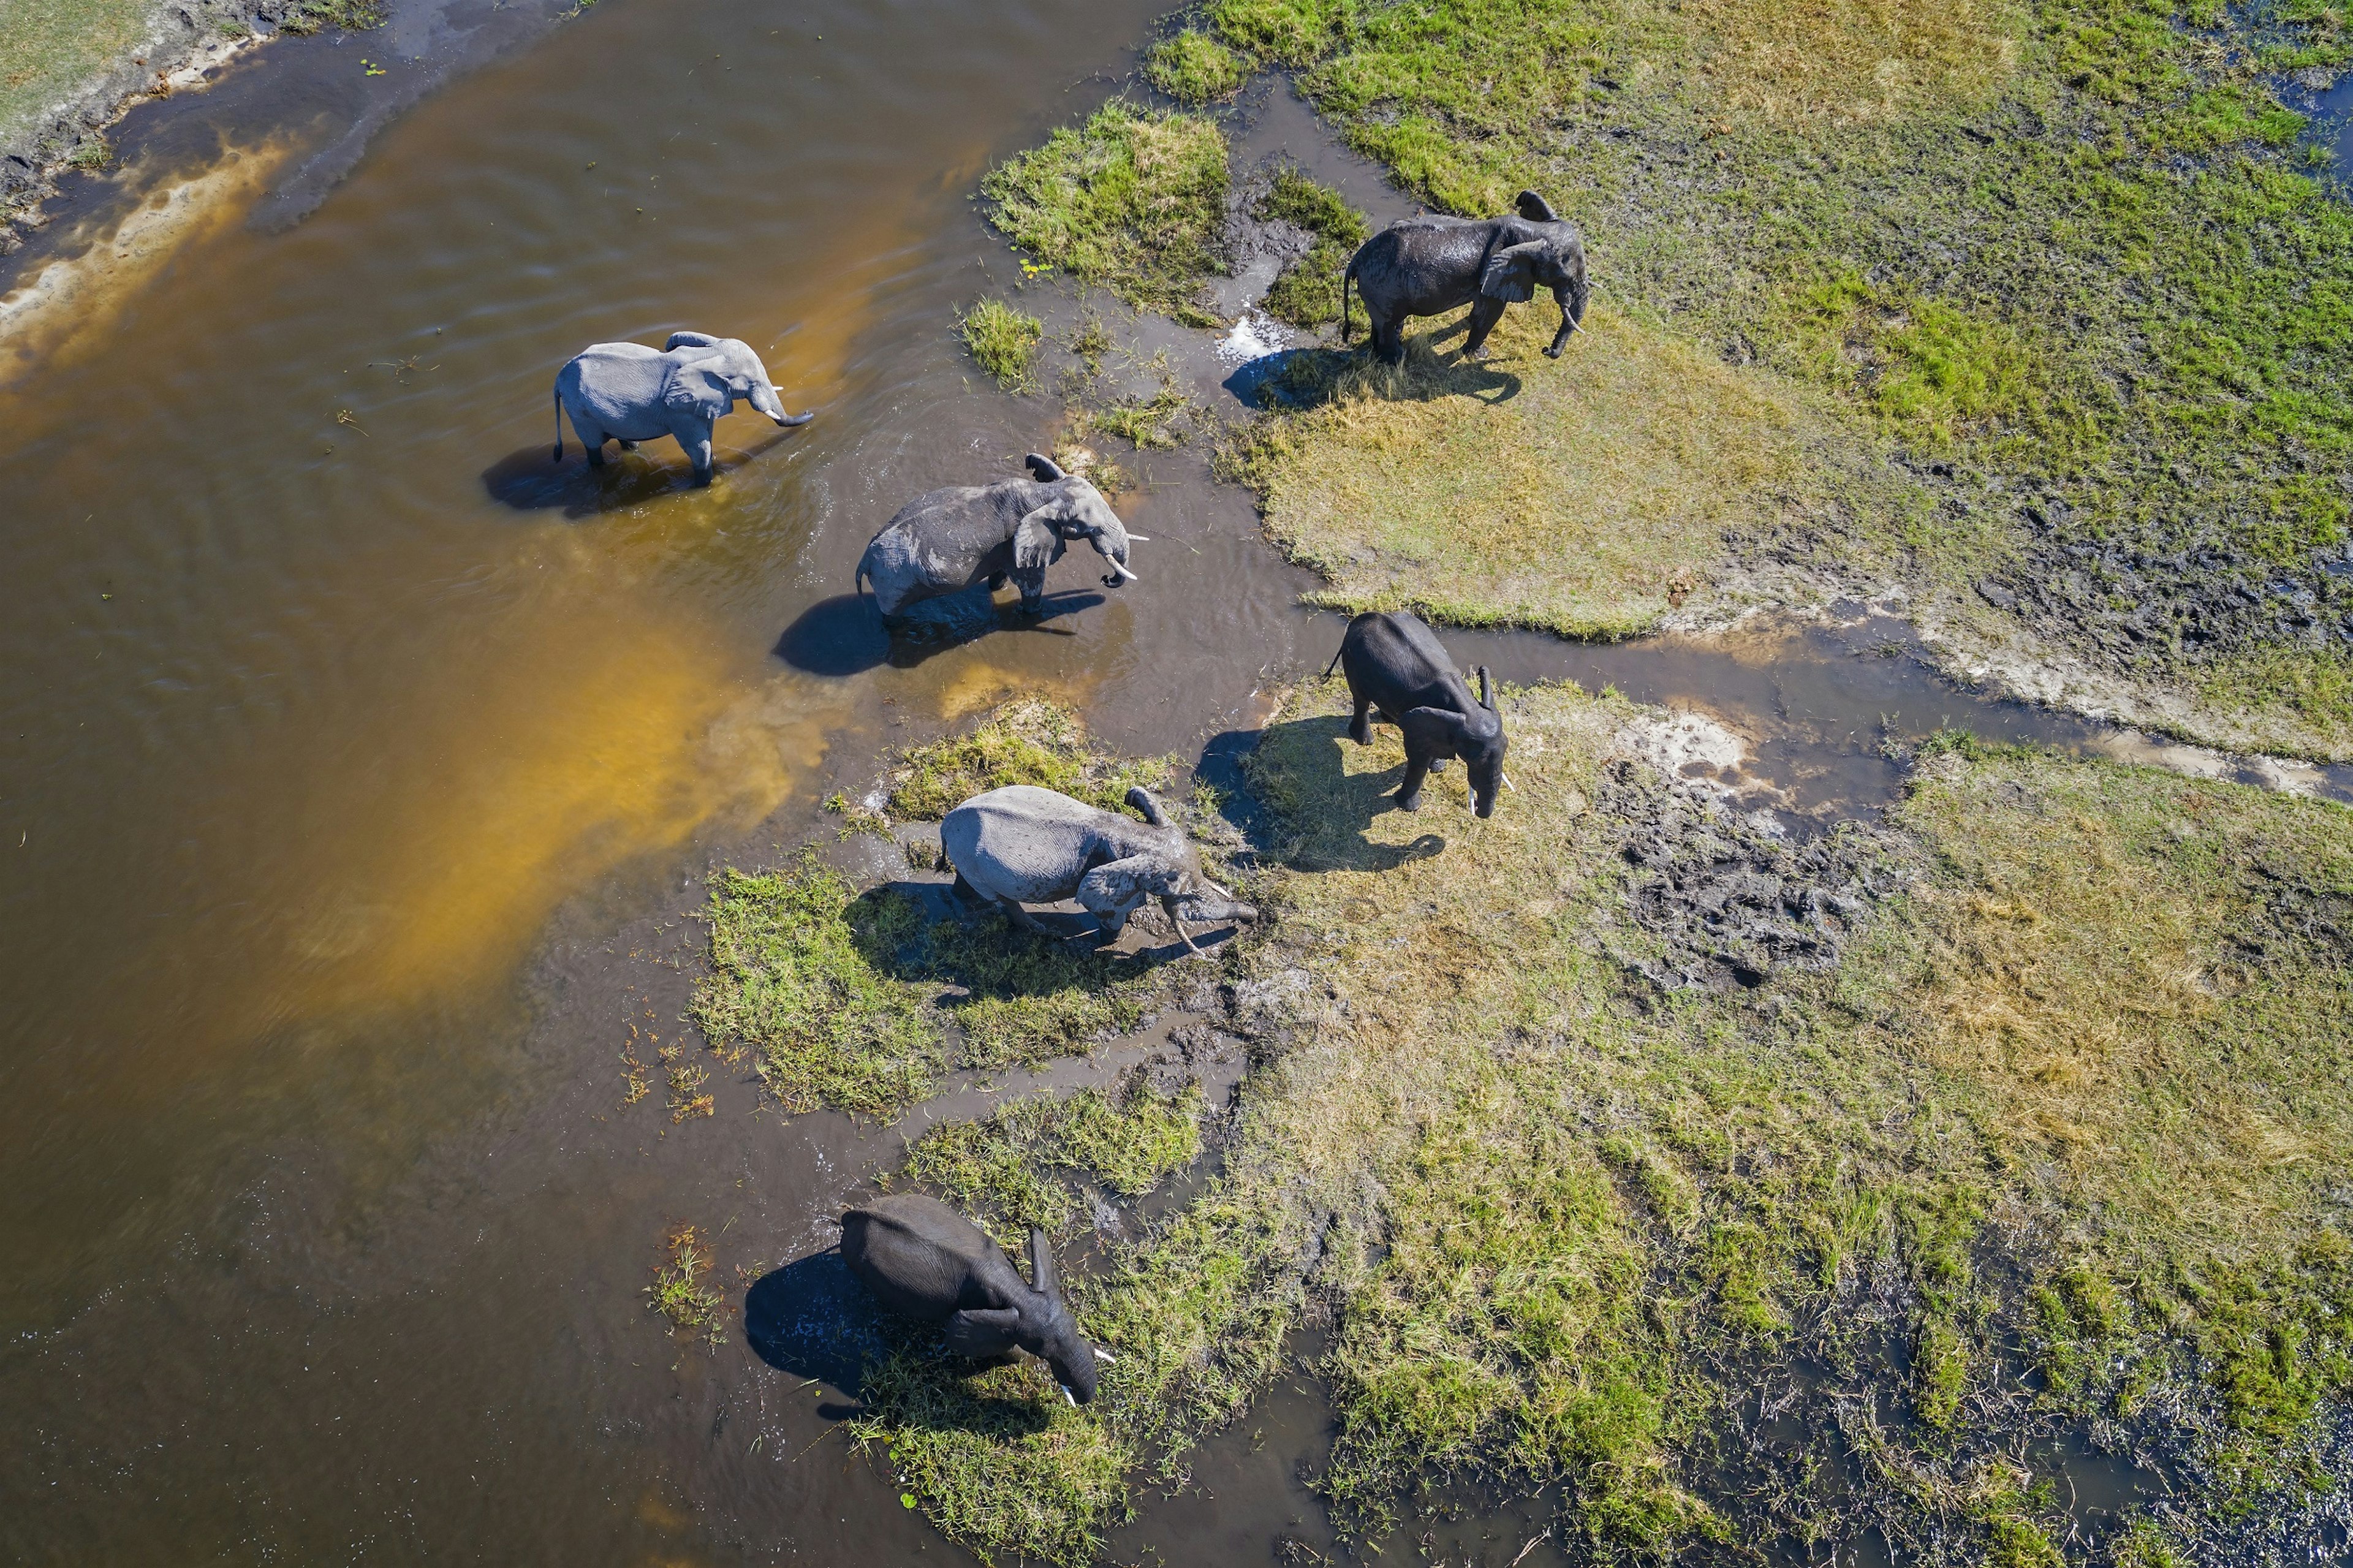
<point x="861" y="581"/>
<point x="1335" y="661"/>
<point x="1346" y="278"/>
<point x="557" y="394"/>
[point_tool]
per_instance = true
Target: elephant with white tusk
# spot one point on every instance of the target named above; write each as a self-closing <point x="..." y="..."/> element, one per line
<point x="925" y="1261"/>
<point x="949" y="540"/>
<point x="1396" y="664"/>
<point x="1429" y="266"/>
<point x="1022" y="845"/>
<point x="627" y="393"/>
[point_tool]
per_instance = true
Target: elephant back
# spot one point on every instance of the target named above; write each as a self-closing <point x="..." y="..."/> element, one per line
<point x="920" y="1258"/>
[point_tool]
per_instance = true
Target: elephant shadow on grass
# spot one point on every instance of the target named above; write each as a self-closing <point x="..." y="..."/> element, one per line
<point x="528" y="480"/>
<point x="920" y="933"/>
<point x="846" y="634"/>
<point x="1312" y="377"/>
<point x="813" y="1319"/>
<point x="1299" y="771"/>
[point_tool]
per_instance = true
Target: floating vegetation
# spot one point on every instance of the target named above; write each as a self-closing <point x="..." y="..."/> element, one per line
<point x="679" y="1292"/>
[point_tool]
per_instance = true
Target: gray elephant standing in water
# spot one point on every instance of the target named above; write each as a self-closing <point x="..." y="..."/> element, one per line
<point x="1429" y="266"/>
<point x="627" y="393"/>
<point x="1022" y="845"/>
<point x="944" y="542"/>
<point x="925" y="1261"/>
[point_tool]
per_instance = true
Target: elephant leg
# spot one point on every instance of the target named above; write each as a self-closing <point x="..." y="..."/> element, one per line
<point x="628" y="445"/>
<point x="594" y="441"/>
<point x="996" y="581"/>
<point x="1022" y="918"/>
<point x="1031" y="580"/>
<point x="1483" y="317"/>
<point x="699" y="454"/>
<point x="1408" y="794"/>
<point x="1388" y="340"/>
<point x="1360" y="728"/>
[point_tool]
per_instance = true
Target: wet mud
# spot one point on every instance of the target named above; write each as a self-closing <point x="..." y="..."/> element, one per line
<point x="364" y="768"/>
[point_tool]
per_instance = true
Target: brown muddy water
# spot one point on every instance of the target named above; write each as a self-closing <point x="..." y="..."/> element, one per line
<point x="359" y="768"/>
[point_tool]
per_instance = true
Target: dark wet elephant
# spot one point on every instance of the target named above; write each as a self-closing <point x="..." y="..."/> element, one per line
<point x="1429" y="266"/>
<point x="923" y="1260"/>
<point x="1396" y="664"/>
<point x="945" y="542"/>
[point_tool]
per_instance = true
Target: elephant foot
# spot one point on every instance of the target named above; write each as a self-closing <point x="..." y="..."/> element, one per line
<point x="1440" y="765"/>
<point x="1362" y="735"/>
<point x="1410" y="802"/>
<point x="1478" y="353"/>
<point x="1033" y="606"/>
<point x="628" y="445"/>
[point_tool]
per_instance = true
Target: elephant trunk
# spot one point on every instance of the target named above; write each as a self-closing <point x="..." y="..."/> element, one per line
<point x="1116" y="552"/>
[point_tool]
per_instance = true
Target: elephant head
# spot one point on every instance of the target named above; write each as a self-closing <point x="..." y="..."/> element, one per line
<point x="1041" y="1325"/>
<point x="1477" y="737"/>
<point x="1177" y="882"/>
<point x="1546" y="251"/>
<point x="1077" y="510"/>
<point x="710" y="373"/>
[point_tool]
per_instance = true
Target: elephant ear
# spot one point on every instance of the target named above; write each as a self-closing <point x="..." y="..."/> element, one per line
<point x="1534" y="208"/>
<point x="1511" y="272"/>
<point x="983" y="1332"/>
<point x="692" y="341"/>
<point x="690" y="386"/>
<point x="1437" y="729"/>
<point x="1036" y="542"/>
<point x="1044" y="470"/>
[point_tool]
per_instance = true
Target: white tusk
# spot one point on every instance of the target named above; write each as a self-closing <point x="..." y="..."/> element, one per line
<point x="1104" y="1357"/>
<point x="1139" y="539"/>
<point x="1125" y="574"/>
<point x="1508" y="784"/>
<point x="1069" y="1395"/>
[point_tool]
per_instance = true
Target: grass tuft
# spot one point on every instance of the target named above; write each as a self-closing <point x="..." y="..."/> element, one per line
<point x="1192" y="67"/>
<point x="1026" y="741"/>
<point x="678" y="1292"/>
<point x="1307" y="293"/>
<point x="1003" y="342"/>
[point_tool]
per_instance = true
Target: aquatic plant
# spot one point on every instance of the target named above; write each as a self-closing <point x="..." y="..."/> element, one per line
<point x="1003" y="342"/>
<point x="678" y="1292"/>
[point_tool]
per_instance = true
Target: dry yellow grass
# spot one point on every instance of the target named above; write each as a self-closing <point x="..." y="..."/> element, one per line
<point x="1851" y="60"/>
<point x="1587" y="496"/>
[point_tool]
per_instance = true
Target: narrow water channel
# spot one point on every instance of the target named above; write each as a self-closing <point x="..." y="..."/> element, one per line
<point x="359" y="770"/>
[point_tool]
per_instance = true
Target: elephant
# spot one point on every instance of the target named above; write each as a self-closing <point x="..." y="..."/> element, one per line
<point x="1396" y="664"/>
<point x="925" y="1261"/>
<point x="1022" y="845"/>
<point x="627" y="393"/>
<point x="944" y="542"/>
<point x="1427" y="266"/>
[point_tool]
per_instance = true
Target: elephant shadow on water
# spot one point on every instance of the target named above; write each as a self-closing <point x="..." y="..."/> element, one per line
<point x="845" y="635"/>
<point x="812" y="1319"/>
<point x="528" y="480"/>
<point x="1342" y="805"/>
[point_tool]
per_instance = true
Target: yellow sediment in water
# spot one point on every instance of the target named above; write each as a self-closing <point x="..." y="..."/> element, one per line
<point x="71" y="306"/>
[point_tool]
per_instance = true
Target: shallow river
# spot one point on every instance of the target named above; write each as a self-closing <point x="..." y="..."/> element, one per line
<point x="359" y="767"/>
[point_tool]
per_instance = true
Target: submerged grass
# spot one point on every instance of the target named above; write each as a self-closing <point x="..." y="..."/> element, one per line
<point x="679" y="1293"/>
<point x="1132" y="200"/>
<point x="2072" y="1089"/>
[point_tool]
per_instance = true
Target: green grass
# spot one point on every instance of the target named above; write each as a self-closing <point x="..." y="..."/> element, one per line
<point x="51" y="48"/>
<point x="679" y="1293"/>
<point x="1193" y="67"/>
<point x="1307" y="293"/>
<point x="1133" y="201"/>
<point x="2065" y="252"/>
<point x="1026" y="741"/>
<point x="1003" y="342"/>
<point x="2067" y="1107"/>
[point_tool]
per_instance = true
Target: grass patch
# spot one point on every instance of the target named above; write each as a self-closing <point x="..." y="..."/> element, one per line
<point x="1132" y="200"/>
<point x="1003" y="342"/>
<point x="1027" y="741"/>
<point x="861" y="1000"/>
<point x="679" y="1292"/>
<point x="2070" y="1097"/>
<point x="1587" y="504"/>
<point x="1307" y="293"/>
<point x="1191" y="67"/>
